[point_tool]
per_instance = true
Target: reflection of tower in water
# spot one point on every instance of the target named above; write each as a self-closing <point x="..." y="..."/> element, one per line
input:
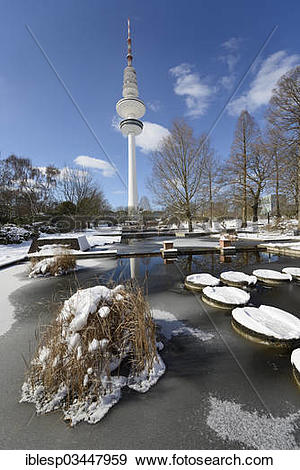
<point x="135" y="268"/>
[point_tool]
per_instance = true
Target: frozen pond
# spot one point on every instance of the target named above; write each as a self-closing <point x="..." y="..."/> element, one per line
<point x="204" y="401"/>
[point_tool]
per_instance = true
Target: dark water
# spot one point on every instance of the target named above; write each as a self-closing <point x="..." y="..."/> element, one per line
<point x="173" y="414"/>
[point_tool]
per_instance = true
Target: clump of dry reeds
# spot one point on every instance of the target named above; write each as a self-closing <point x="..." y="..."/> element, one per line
<point x="57" y="265"/>
<point x="124" y="336"/>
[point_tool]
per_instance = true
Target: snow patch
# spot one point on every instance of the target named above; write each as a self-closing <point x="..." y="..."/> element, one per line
<point x="170" y="326"/>
<point x="254" y="430"/>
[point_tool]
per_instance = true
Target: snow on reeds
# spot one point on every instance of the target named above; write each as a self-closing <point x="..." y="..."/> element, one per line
<point x="98" y="332"/>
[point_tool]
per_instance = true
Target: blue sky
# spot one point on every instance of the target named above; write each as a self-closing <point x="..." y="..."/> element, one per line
<point x="189" y="57"/>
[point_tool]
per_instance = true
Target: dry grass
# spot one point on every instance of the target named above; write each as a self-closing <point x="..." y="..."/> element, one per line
<point x="130" y="331"/>
<point x="59" y="264"/>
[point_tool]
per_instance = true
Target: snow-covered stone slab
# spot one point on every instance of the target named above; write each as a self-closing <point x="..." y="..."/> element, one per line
<point x="295" y="360"/>
<point x="268" y="324"/>
<point x="237" y="279"/>
<point x="294" y="272"/>
<point x="79" y="243"/>
<point x="201" y="280"/>
<point x="225" y="297"/>
<point x="269" y="276"/>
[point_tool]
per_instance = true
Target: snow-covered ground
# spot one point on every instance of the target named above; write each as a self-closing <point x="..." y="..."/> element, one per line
<point x="227" y="295"/>
<point x="269" y="321"/>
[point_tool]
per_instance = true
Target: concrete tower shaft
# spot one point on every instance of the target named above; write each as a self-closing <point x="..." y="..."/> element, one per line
<point x="131" y="108"/>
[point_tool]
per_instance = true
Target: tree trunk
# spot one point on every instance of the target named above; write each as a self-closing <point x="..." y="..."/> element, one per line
<point x="298" y="186"/>
<point x="244" y="210"/>
<point x="255" y="210"/>
<point x="211" y="206"/>
<point x="278" y="215"/>
<point x="190" y="223"/>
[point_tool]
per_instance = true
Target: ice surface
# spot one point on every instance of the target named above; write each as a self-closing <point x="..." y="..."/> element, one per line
<point x="235" y="276"/>
<point x="269" y="321"/>
<point x="255" y="431"/>
<point x="272" y="275"/>
<point x="227" y="295"/>
<point x="203" y="279"/>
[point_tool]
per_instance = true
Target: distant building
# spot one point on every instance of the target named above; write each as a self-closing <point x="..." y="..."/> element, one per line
<point x="268" y="203"/>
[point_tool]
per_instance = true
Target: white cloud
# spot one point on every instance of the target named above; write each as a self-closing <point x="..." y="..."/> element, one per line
<point x="154" y="105"/>
<point x="115" y="122"/>
<point x="232" y="44"/>
<point x="260" y="90"/>
<point x="227" y="81"/>
<point x="90" y="162"/>
<point x="149" y="140"/>
<point x="230" y="59"/>
<point x="197" y="93"/>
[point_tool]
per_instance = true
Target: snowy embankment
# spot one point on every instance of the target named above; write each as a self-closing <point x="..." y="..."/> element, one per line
<point x="76" y="367"/>
<point x="225" y="297"/>
<point x="268" y="322"/>
<point x="201" y="280"/>
<point x="18" y="252"/>
<point x="236" y="278"/>
<point x="269" y="276"/>
<point x="13" y="253"/>
<point x="95" y="238"/>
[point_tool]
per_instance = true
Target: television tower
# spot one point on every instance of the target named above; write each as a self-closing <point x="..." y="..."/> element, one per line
<point x="130" y="108"/>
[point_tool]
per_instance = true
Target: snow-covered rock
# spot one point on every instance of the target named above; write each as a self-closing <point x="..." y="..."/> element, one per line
<point x="271" y="276"/>
<point x="236" y="278"/>
<point x="294" y="272"/>
<point x="201" y="280"/>
<point x="225" y="297"/>
<point x="271" y="322"/>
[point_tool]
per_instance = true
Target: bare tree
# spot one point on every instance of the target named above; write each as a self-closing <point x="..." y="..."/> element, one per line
<point x="26" y="191"/>
<point x="237" y="167"/>
<point x="210" y="186"/>
<point x="79" y="188"/>
<point x="284" y="114"/>
<point x="259" y="173"/>
<point x="177" y="171"/>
